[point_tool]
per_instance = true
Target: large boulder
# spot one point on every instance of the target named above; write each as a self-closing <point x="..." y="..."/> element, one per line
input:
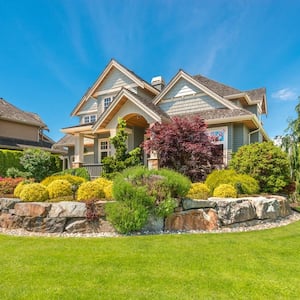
<point x="10" y="221"/>
<point x="32" y="209"/>
<point x="235" y="210"/>
<point x="266" y="208"/>
<point x="68" y="209"/>
<point x="49" y="225"/>
<point x="154" y="224"/>
<point x="8" y="203"/>
<point x="284" y="206"/>
<point x="192" y="204"/>
<point x="194" y="219"/>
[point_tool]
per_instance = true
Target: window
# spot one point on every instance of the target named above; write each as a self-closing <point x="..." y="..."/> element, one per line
<point x="106" y="102"/>
<point x="89" y="119"/>
<point x="104" y="148"/>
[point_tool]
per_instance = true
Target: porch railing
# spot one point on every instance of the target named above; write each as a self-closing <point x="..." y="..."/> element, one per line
<point x="95" y="170"/>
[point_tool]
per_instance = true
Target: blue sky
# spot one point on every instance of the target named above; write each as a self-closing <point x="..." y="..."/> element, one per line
<point x="53" y="50"/>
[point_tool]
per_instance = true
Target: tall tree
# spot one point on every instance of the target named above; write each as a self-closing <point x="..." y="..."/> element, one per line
<point x="291" y="143"/>
<point x="183" y="145"/>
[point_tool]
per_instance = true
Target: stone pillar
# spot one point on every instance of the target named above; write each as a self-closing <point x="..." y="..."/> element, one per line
<point x="153" y="161"/>
<point x="79" y="148"/>
<point x="96" y="149"/>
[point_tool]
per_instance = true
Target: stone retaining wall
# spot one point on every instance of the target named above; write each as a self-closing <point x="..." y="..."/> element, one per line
<point x="190" y="214"/>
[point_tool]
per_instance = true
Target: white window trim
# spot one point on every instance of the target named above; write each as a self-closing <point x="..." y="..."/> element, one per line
<point x="89" y="118"/>
<point x="108" y="150"/>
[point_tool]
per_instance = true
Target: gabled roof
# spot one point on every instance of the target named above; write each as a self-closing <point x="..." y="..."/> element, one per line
<point x="114" y="64"/>
<point x="143" y="103"/>
<point x="195" y="82"/>
<point x="11" y="113"/>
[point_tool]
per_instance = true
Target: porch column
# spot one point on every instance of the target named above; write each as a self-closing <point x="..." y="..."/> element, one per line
<point x="113" y="132"/>
<point x="153" y="159"/>
<point x="96" y="149"/>
<point x="78" y="151"/>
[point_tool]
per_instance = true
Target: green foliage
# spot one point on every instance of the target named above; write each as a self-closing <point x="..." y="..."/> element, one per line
<point x="123" y="159"/>
<point x="225" y="191"/>
<point x="59" y="188"/>
<point x="9" y="159"/>
<point x="15" y="173"/>
<point x="37" y="162"/>
<point x="127" y="218"/>
<point x="199" y="190"/>
<point x="268" y="164"/>
<point x="33" y="192"/>
<point x="74" y="180"/>
<point x="141" y="192"/>
<point x="243" y="183"/>
<point x="90" y="190"/>
<point x="80" y="172"/>
<point x="7" y="185"/>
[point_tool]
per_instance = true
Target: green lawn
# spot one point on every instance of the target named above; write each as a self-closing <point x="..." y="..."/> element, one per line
<point x="250" y="265"/>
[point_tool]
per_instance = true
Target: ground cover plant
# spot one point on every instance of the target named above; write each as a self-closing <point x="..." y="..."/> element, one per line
<point x="248" y="265"/>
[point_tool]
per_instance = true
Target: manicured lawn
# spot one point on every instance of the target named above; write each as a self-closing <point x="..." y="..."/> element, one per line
<point x="251" y="265"/>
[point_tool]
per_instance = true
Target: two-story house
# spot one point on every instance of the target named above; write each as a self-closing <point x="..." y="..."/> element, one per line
<point x="233" y="116"/>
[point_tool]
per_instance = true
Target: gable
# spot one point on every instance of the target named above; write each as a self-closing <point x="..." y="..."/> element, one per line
<point x="182" y="88"/>
<point x="185" y="98"/>
<point x="115" y="79"/>
<point x="90" y="106"/>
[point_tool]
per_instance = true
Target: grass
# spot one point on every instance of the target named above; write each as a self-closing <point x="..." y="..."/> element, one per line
<point x="250" y="265"/>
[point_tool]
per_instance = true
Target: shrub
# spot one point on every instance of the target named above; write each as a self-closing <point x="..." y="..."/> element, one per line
<point x="243" y="183"/>
<point x="15" y="173"/>
<point x="198" y="190"/>
<point x="265" y="162"/>
<point x="59" y="188"/>
<point x="9" y="159"/>
<point x="127" y="218"/>
<point x="106" y="186"/>
<point x="90" y="190"/>
<point x="18" y="189"/>
<point x="80" y="172"/>
<point x="141" y="192"/>
<point x="225" y="191"/>
<point x="74" y="180"/>
<point x="7" y="185"/>
<point x="34" y="192"/>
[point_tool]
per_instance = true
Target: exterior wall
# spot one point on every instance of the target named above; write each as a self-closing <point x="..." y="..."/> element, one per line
<point x="256" y="137"/>
<point x="240" y="136"/>
<point x="138" y="133"/>
<point x="18" y="131"/>
<point x="253" y="109"/>
<point x="182" y="88"/>
<point x="189" y="104"/>
<point x="145" y="93"/>
<point x="90" y="106"/>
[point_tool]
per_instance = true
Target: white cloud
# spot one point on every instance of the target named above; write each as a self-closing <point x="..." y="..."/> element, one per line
<point x="285" y="94"/>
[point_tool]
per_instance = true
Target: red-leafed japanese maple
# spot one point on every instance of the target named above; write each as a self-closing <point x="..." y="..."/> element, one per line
<point x="183" y="145"/>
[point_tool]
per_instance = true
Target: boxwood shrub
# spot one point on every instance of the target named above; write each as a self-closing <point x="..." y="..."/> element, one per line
<point x="34" y="192"/>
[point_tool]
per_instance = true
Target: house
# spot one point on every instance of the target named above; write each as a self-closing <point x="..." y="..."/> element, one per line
<point x="20" y="129"/>
<point x="233" y="116"/>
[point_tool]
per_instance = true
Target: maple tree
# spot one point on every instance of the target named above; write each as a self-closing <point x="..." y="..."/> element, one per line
<point x="183" y="145"/>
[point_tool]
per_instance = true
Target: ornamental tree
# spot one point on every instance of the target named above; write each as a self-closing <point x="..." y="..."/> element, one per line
<point x="183" y="145"/>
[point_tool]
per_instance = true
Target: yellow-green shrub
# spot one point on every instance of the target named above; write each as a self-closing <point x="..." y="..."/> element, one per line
<point x="74" y="180"/>
<point x="90" y="190"/>
<point x="59" y="188"/>
<point x="34" y="192"/>
<point x="198" y="190"/>
<point x="225" y="191"/>
<point x="18" y="189"/>
<point x="106" y="186"/>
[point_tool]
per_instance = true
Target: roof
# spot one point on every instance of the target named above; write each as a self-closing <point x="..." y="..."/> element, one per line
<point x="12" y="113"/>
<point x="223" y="113"/>
<point x="12" y="143"/>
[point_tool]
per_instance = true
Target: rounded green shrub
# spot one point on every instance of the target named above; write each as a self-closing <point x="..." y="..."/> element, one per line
<point x="80" y="172"/>
<point x="198" y="190"/>
<point x="59" y="188"/>
<point x="34" y="192"/>
<point x="225" y="191"/>
<point x="72" y="179"/>
<point x="243" y="183"/>
<point x="90" y="190"/>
